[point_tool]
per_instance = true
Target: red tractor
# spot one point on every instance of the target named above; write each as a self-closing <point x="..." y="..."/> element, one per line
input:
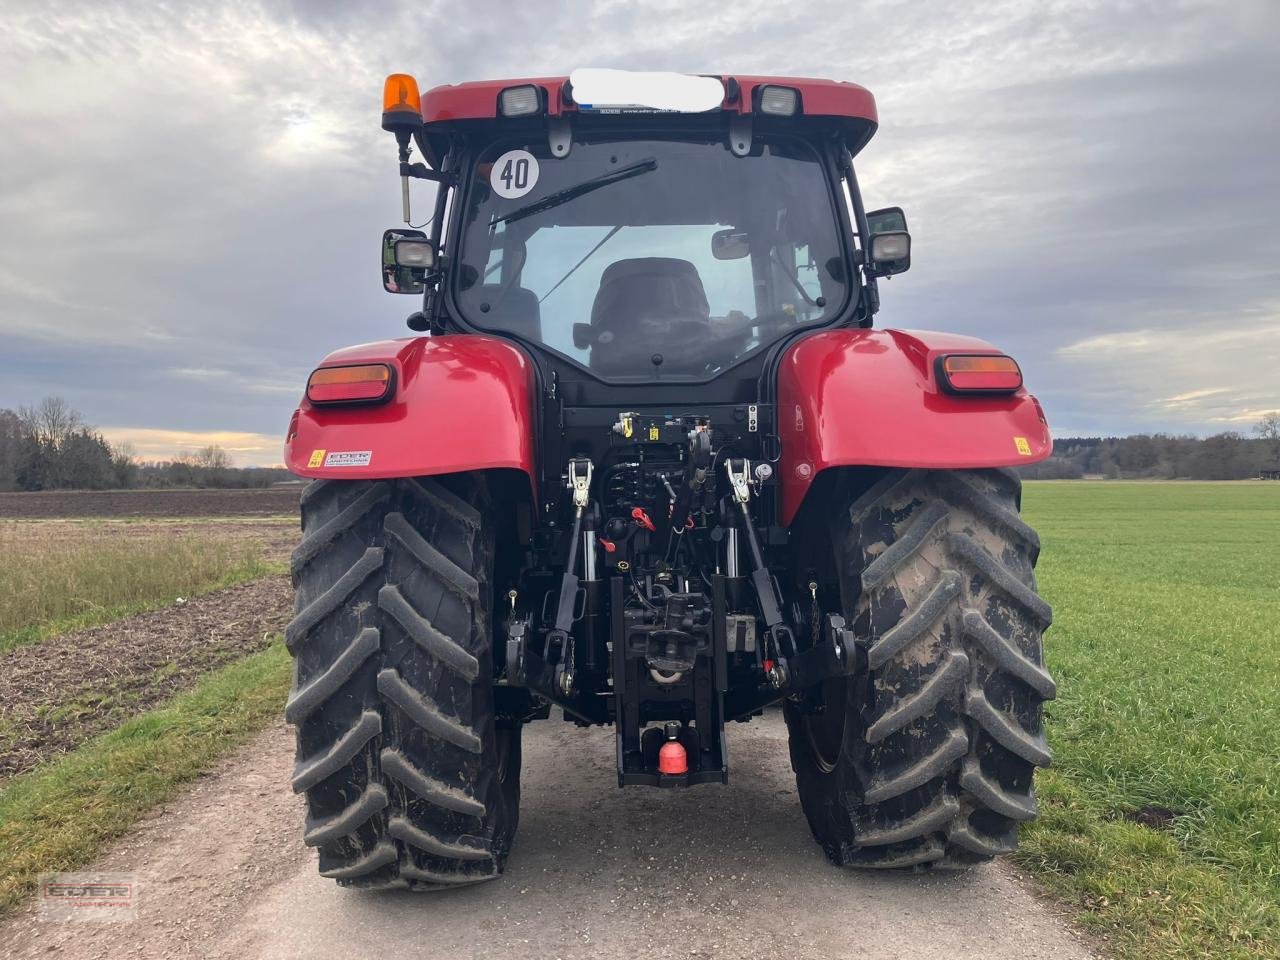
<point x="649" y="464"/>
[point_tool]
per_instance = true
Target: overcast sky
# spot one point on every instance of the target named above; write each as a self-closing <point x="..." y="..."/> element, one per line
<point x="191" y="195"/>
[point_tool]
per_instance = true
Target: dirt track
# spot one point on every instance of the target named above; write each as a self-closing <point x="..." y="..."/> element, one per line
<point x="56" y="694"/>
<point x="714" y="872"/>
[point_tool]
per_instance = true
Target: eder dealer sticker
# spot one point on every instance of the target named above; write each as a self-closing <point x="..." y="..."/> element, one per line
<point x="348" y="458"/>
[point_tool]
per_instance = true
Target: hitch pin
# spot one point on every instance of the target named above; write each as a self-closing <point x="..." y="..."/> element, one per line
<point x="740" y="482"/>
<point x="580" y="482"/>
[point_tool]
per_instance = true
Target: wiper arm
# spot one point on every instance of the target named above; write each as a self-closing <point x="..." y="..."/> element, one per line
<point x="577" y="190"/>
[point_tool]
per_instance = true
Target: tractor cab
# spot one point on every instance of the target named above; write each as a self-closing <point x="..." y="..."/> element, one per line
<point x="633" y="242"/>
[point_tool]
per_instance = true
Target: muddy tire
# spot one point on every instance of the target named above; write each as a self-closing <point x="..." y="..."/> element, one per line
<point x="409" y="781"/>
<point x="928" y="759"/>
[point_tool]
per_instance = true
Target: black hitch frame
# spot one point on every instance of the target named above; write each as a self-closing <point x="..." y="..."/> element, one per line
<point x="838" y="653"/>
<point x="698" y="697"/>
<point x="702" y="702"/>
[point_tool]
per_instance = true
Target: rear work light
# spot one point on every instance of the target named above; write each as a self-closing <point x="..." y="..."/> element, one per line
<point x="779" y="101"/>
<point x="519" y="101"/>
<point x="983" y="373"/>
<point x="367" y="383"/>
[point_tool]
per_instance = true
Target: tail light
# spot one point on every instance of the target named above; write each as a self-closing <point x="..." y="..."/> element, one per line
<point x="981" y="373"/>
<point x="366" y="383"/>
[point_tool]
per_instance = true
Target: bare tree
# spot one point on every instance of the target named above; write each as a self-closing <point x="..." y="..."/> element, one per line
<point x="1269" y="430"/>
<point x="212" y="457"/>
<point x="52" y="421"/>
<point x="12" y="432"/>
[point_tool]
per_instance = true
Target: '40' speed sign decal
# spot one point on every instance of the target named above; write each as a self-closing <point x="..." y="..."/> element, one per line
<point x="514" y="174"/>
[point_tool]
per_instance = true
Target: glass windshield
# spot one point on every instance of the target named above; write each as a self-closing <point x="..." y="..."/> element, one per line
<point x="650" y="259"/>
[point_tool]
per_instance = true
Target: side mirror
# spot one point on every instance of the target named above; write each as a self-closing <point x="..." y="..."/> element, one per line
<point x="407" y="258"/>
<point x="888" y="242"/>
<point x="730" y="244"/>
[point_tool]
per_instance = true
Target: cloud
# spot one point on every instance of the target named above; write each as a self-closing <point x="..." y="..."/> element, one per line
<point x="192" y="194"/>
<point x="1193" y="396"/>
<point x="245" y="449"/>
<point x="1125" y="366"/>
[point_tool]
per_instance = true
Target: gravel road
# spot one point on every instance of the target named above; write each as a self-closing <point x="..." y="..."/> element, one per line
<point x="713" y="872"/>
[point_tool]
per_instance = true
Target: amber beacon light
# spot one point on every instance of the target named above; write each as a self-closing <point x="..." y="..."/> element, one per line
<point x="401" y="103"/>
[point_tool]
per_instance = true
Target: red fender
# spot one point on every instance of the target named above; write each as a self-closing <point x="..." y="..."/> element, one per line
<point x="871" y="398"/>
<point x="460" y="403"/>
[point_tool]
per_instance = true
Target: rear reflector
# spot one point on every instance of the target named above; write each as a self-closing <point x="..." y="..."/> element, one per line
<point x="979" y="374"/>
<point x="367" y="383"/>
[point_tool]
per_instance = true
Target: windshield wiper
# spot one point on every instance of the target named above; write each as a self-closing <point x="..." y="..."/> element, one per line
<point x="572" y="193"/>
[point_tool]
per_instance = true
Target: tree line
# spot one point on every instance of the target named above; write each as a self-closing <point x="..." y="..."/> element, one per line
<point x="51" y="447"/>
<point x="1159" y="456"/>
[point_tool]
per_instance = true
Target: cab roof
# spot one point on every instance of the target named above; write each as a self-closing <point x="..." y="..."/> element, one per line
<point x="445" y="105"/>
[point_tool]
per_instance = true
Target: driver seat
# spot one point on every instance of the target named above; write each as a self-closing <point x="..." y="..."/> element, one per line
<point x="637" y="300"/>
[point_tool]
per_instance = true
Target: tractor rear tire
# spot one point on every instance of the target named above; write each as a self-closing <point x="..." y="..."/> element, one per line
<point x="927" y="759"/>
<point x="410" y="780"/>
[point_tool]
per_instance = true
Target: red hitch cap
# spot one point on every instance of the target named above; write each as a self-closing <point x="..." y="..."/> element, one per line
<point x="672" y="759"/>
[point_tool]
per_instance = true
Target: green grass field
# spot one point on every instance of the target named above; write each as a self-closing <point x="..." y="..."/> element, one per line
<point x="1166" y="649"/>
<point x="62" y="575"/>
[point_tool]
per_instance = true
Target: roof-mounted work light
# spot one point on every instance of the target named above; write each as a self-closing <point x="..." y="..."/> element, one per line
<point x="519" y="101"/>
<point x="779" y="101"/>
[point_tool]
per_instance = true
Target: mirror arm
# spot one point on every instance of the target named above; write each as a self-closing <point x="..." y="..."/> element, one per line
<point x="416" y="171"/>
<point x="420" y="171"/>
<point x="873" y="299"/>
<point x="861" y="256"/>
